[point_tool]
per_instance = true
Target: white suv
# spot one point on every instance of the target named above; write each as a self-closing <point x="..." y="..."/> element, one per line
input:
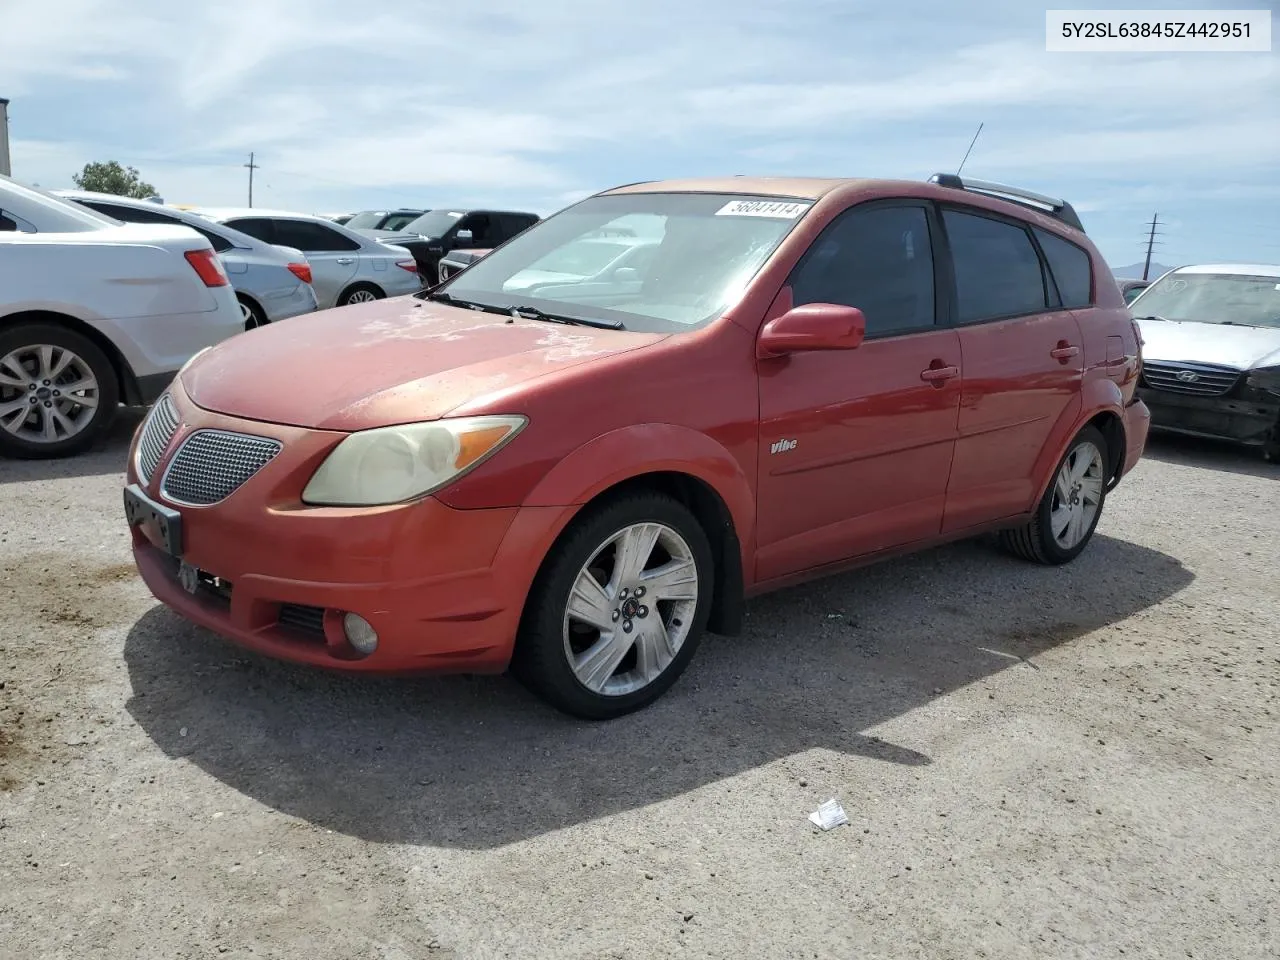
<point x="95" y="312"/>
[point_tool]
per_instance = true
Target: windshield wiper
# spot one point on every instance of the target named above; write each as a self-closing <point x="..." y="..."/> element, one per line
<point x="533" y="313"/>
<point x="439" y="296"/>
<point x="1155" y="317"/>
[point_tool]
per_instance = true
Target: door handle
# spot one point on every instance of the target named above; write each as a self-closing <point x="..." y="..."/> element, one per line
<point x="345" y="260"/>
<point x="1064" y="351"/>
<point x="939" y="375"/>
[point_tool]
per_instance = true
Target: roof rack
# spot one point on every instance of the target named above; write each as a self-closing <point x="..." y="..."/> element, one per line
<point x="1059" y="209"/>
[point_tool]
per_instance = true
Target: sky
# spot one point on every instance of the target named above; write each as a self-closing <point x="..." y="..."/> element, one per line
<point x="509" y="103"/>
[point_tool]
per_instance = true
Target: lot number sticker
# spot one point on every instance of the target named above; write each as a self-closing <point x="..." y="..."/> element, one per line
<point x="778" y="209"/>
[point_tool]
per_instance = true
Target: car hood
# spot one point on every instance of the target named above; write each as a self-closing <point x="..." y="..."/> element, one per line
<point x="398" y="360"/>
<point x="1229" y="346"/>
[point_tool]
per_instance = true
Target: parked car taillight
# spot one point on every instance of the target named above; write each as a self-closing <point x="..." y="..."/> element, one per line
<point x="410" y="265"/>
<point x="208" y="266"/>
<point x="302" y="271"/>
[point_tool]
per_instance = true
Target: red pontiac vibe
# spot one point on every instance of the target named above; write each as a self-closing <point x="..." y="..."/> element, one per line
<point x="577" y="477"/>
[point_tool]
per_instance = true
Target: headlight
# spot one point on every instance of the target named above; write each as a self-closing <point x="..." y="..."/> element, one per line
<point x="394" y="464"/>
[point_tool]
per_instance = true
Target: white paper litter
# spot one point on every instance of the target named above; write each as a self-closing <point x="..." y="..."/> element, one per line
<point x="829" y="815"/>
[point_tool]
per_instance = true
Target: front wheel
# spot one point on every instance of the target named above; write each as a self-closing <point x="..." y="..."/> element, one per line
<point x="58" y="392"/>
<point x="616" y="613"/>
<point x="1068" y="513"/>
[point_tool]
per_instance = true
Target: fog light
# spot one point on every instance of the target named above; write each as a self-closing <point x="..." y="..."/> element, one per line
<point x="360" y="633"/>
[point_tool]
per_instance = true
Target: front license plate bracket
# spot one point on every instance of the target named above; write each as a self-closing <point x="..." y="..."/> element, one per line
<point x="164" y="522"/>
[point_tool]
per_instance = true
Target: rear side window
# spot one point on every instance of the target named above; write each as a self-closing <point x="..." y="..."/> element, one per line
<point x="878" y="259"/>
<point x="1071" y="269"/>
<point x="259" y="228"/>
<point x="998" y="272"/>
<point x="311" y="237"/>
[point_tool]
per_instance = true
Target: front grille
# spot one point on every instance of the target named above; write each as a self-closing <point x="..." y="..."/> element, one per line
<point x="212" y="464"/>
<point x="304" y="619"/>
<point x="159" y="429"/>
<point x="1196" y="379"/>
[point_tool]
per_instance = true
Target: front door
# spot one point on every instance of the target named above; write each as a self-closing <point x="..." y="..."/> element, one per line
<point x="856" y="446"/>
<point x="1023" y="366"/>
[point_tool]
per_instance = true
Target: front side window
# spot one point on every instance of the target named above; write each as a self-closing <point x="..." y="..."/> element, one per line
<point x="707" y="247"/>
<point x="997" y="270"/>
<point x="878" y="259"/>
<point x="1233" y="299"/>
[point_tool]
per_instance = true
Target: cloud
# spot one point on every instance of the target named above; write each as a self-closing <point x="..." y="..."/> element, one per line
<point x="533" y="105"/>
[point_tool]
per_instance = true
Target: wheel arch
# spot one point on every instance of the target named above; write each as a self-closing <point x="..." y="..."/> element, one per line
<point x="696" y="471"/>
<point x="357" y="284"/>
<point x="126" y="381"/>
<point x="1102" y="406"/>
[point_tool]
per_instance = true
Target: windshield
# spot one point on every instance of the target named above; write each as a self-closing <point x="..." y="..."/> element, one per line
<point x="701" y="251"/>
<point x="368" y="220"/>
<point x="1213" y="298"/>
<point x="398" y="221"/>
<point x="585" y="258"/>
<point x="433" y="223"/>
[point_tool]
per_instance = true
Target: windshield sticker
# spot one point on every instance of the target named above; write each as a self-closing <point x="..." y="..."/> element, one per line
<point x="777" y="209"/>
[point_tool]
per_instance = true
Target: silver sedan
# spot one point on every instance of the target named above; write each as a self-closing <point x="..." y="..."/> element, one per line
<point x="271" y="282"/>
<point x="346" y="267"/>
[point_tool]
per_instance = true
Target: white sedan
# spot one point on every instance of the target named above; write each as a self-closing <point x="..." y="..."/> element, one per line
<point x="93" y="313"/>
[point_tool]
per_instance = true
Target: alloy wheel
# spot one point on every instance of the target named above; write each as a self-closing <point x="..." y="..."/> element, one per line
<point x="361" y="296"/>
<point x="47" y="393"/>
<point x="1077" y="495"/>
<point x="630" y="609"/>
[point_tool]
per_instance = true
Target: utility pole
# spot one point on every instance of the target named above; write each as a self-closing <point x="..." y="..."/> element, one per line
<point x="1151" y="242"/>
<point x="252" y="167"/>
<point x="4" y="138"/>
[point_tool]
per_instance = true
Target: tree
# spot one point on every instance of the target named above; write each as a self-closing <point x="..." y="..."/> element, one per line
<point x="110" y="177"/>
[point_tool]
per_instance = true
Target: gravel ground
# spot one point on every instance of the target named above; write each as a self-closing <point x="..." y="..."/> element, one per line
<point x="1077" y="762"/>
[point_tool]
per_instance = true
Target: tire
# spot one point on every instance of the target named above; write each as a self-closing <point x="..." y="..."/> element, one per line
<point x="642" y="630"/>
<point x="1036" y="540"/>
<point x="360" y="293"/>
<point x="252" y="313"/>
<point x="78" y="416"/>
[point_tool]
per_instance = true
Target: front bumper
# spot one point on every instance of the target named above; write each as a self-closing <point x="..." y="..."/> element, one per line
<point x="1244" y="416"/>
<point x="443" y="588"/>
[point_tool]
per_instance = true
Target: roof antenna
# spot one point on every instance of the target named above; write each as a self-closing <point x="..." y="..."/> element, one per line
<point x="969" y="151"/>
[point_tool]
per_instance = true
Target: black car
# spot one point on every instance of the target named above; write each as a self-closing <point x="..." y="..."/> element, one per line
<point x="445" y="230"/>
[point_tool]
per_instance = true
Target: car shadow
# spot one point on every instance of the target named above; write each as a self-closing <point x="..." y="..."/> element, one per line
<point x="1210" y="455"/>
<point x="479" y="763"/>
<point x="107" y="455"/>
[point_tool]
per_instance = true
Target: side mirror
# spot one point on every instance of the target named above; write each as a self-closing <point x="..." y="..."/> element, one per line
<point x="813" y="326"/>
<point x="463" y="237"/>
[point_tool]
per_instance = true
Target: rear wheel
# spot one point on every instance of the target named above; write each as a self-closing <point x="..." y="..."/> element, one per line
<point x="1068" y="513"/>
<point x="58" y="392"/>
<point x="617" y="611"/>
<point x="360" y="293"/>
<point x="252" y="313"/>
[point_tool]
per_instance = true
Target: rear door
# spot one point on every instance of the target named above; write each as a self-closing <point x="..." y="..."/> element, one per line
<point x="855" y="446"/>
<point x="334" y="257"/>
<point x="1023" y="365"/>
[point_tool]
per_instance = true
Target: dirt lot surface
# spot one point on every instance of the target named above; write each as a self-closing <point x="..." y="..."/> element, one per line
<point x="1076" y="762"/>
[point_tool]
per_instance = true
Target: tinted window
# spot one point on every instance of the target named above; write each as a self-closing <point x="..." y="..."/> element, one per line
<point x="12" y="223"/>
<point x="311" y="237"/>
<point x="1071" y="269"/>
<point x="483" y="232"/>
<point x="998" y="273"/>
<point x="878" y="260"/>
<point x="257" y="227"/>
<point x="397" y="221"/>
<point x="138" y="215"/>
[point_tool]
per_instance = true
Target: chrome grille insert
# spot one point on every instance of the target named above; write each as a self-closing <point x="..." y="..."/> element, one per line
<point x="162" y="423"/>
<point x="1195" y="379"/>
<point x="212" y="464"/>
